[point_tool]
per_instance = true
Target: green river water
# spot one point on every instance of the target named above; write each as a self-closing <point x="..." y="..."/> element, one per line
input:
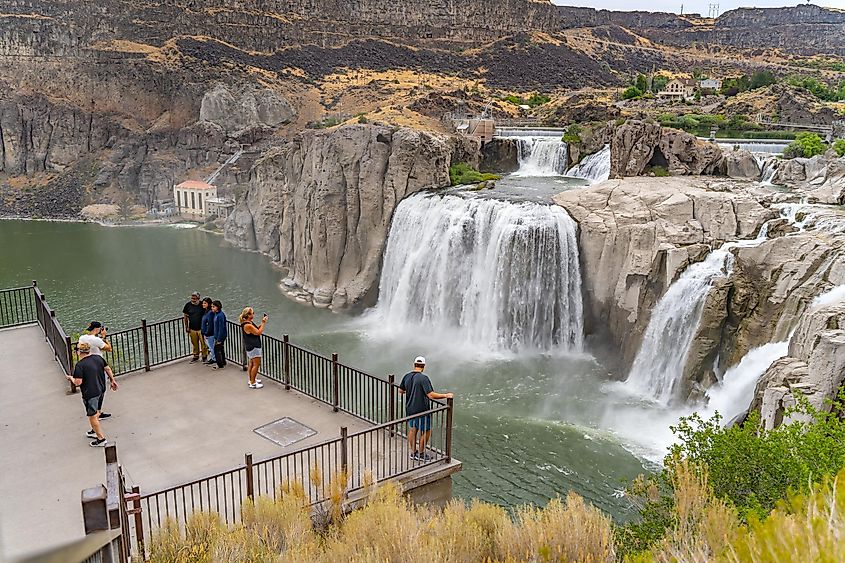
<point x="527" y="428"/>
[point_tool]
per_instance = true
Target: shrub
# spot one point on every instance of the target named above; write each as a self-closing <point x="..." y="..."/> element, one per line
<point x="659" y="83"/>
<point x="659" y="171"/>
<point x="513" y="99"/>
<point x="462" y="173"/>
<point x="632" y="93"/>
<point x="572" y="135"/>
<point x="761" y="78"/>
<point x="641" y="83"/>
<point x="538" y="99"/>
<point x="839" y="147"/>
<point x="806" y="145"/>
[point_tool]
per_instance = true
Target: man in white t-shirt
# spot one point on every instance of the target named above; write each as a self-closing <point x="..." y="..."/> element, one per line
<point x="96" y="340"/>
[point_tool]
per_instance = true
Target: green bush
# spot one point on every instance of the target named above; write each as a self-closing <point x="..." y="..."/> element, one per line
<point x="821" y="90"/>
<point x="659" y="171"/>
<point x="641" y="83"/>
<point x="572" y="135"/>
<point x="806" y="145"/>
<point x="659" y="83"/>
<point x="513" y="99"/>
<point x="761" y="78"/>
<point x="632" y="93"/>
<point x="462" y="173"/>
<point x="535" y="100"/>
<point x="839" y="147"/>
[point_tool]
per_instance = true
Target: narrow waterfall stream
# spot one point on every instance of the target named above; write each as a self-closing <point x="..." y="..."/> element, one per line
<point x="541" y="156"/>
<point x="483" y="273"/>
<point x="659" y="365"/>
<point x="595" y="167"/>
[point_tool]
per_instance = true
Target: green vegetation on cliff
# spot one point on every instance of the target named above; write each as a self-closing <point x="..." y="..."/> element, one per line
<point x="805" y="145"/>
<point x="462" y="173"/>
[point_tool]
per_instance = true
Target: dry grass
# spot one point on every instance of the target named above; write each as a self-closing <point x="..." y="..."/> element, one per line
<point x="390" y="528"/>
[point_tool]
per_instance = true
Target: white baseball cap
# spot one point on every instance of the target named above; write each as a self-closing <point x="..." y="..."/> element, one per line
<point x="419" y="360"/>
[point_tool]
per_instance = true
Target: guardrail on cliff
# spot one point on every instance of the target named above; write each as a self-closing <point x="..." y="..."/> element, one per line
<point x="375" y="454"/>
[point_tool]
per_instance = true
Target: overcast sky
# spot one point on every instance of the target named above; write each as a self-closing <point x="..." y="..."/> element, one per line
<point x="699" y="6"/>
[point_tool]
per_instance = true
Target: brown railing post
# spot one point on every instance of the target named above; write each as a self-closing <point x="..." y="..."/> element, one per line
<point x="451" y="404"/>
<point x="95" y="518"/>
<point x="391" y="402"/>
<point x="146" y="340"/>
<point x="286" y="360"/>
<point x="139" y="520"/>
<point x="73" y="387"/>
<point x="250" y="483"/>
<point x="335" y="384"/>
<point x="344" y="459"/>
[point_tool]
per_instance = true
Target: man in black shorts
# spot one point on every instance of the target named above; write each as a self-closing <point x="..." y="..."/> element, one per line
<point x="89" y="375"/>
<point x="416" y="386"/>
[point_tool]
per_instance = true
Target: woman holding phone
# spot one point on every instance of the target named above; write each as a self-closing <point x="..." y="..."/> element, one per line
<point x="252" y="342"/>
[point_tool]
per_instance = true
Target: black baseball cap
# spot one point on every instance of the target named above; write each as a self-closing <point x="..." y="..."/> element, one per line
<point x="94" y="324"/>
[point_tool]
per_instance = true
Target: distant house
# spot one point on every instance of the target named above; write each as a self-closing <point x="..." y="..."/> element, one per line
<point x="710" y="84"/>
<point x="679" y="89"/>
<point x="191" y="197"/>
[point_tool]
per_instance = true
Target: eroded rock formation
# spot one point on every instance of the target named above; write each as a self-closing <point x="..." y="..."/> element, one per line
<point x="321" y="205"/>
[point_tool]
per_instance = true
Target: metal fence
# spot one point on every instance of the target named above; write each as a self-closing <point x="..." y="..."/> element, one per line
<point x="375" y="454"/>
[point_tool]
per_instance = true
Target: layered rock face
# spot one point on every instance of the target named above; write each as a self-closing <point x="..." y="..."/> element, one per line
<point x="321" y="206"/>
<point x="813" y="369"/>
<point x="637" y="235"/>
<point x="635" y="145"/>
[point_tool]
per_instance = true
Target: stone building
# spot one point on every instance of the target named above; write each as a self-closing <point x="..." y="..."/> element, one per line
<point x="191" y="197"/>
<point x="679" y="89"/>
<point x="219" y="206"/>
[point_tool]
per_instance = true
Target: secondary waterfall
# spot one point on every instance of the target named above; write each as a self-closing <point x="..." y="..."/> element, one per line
<point x="595" y="167"/>
<point x="483" y="273"/>
<point x="541" y="156"/>
<point x="660" y="362"/>
<point x="768" y="169"/>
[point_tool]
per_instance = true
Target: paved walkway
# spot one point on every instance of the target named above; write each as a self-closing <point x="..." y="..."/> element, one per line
<point x="171" y="425"/>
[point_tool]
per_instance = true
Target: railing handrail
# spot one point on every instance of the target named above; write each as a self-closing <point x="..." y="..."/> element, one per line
<point x="78" y="550"/>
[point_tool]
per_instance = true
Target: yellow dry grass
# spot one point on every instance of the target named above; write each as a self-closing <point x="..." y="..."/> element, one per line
<point x="123" y="46"/>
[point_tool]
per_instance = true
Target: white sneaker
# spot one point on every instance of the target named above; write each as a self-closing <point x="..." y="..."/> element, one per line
<point x="256" y="385"/>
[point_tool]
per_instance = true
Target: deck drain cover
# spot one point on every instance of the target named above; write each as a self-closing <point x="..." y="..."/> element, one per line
<point x="285" y="431"/>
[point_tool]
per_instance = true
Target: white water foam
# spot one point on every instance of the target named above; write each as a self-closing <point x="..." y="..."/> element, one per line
<point x="829" y="297"/>
<point x="541" y="156"/>
<point x="595" y="167"/>
<point x="482" y="274"/>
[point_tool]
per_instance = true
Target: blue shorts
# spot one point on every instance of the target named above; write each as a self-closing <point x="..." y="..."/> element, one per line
<point x="421" y="423"/>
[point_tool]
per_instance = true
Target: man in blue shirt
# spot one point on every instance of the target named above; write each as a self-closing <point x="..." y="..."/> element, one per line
<point x="416" y="386"/>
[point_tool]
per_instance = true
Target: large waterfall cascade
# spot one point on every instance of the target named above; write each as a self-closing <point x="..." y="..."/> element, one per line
<point x="483" y="273"/>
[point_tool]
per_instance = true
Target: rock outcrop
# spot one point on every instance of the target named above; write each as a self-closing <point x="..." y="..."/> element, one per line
<point x="239" y="111"/>
<point x="637" y="235"/>
<point x="814" y="367"/>
<point x="741" y="165"/>
<point x="321" y="205"/>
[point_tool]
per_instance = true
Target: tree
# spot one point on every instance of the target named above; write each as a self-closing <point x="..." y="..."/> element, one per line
<point x="805" y="145"/>
<point x="125" y="205"/>
<point x="632" y="93"/>
<point x="642" y="83"/>
<point x="761" y="78"/>
<point x="839" y="147"/>
<point x="658" y="83"/>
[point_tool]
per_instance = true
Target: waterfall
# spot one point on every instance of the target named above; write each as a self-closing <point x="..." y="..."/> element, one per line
<point x="733" y="395"/>
<point x="541" y="156"/>
<point x="483" y="274"/>
<point x="595" y="167"/>
<point x="660" y="362"/>
<point x="768" y="168"/>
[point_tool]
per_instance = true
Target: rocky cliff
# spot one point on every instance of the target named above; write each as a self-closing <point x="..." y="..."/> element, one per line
<point x="321" y="205"/>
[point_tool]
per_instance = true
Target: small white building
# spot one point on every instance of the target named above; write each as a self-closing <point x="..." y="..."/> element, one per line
<point x="191" y="197"/>
<point x="679" y="89"/>
<point x="710" y="84"/>
<point x="219" y="206"/>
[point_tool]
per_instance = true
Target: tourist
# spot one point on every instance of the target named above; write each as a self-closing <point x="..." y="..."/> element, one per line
<point x="193" y="313"/>
<point x="252" y="344"/>
<point x="89" y="376"/>
<point x="220" y="334"/>
<point x="416" y="386"/>
<point x="95" y="336"/>
<point x="207" y="329"/>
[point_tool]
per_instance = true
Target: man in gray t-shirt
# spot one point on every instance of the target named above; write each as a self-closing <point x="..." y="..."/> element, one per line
<point x="418" y="391"/>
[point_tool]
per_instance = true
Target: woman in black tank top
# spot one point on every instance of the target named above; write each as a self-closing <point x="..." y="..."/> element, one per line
<point x="252" y="343"/>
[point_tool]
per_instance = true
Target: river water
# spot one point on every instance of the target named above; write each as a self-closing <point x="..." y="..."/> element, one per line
<point x="528" y="426"/>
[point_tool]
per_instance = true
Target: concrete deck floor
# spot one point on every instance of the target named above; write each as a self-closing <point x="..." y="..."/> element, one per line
<point x="174" y="424"/>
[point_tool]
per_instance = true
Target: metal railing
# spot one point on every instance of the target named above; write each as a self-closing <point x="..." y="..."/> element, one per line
<point x="365" y="457"/>
<point x="375" y="454"/>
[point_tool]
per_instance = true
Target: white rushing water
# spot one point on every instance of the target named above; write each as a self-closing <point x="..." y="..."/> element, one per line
<point x="483" y="274"/>
<point x="594" y="167"/>
<point x="768" y="169"/>
<point x="541" y="156"/>
<point x="660" y="362"/>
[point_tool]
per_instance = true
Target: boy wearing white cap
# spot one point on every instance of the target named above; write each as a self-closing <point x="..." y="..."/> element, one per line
<point x="418" y="391"/>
